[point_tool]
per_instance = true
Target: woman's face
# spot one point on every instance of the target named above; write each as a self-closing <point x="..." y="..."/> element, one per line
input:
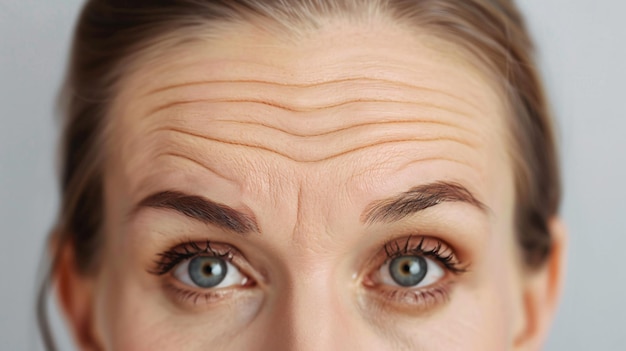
<point x="349" y="190"/>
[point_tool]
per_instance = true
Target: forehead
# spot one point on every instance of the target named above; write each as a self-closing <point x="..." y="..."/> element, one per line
<point x="367" y="110"/>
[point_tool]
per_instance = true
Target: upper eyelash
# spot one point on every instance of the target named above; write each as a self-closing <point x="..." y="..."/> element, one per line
<point x="172" y="257"/>
<point x="445" y="256"/>
<point x="188" y="249"/>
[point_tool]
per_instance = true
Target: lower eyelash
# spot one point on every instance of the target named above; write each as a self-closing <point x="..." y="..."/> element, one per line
<point x="421" y="299"/>
<point x="195" y="297"/>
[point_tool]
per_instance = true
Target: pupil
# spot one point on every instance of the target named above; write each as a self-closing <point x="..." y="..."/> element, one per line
<point x="208" y="269"/>
<point x="406" y="268"/>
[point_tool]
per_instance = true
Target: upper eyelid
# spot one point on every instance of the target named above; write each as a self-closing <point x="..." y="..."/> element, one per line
<point x="172" y="257"/>
<point x="447" y="255"/>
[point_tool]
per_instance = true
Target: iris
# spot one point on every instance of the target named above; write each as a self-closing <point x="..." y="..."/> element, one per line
<point x="408" y="270"/>
<point x="206" y="271"/>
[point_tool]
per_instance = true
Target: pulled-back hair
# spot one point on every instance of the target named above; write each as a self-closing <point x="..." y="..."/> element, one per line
<point x="111" y="35"/>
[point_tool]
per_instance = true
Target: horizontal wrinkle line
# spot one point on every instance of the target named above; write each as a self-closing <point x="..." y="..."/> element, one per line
<point x="427" y="159"/>
<point x="408" y="164"/>
<point x="334" y="131"/>
<point x="296" y="109"/>
<point x="174" y="154"/>
<point x="307" y="85"/>
<point x="230" y="142"/>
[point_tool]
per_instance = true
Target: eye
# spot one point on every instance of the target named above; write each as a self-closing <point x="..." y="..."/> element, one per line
<point x="410" y="271"/>
<point x="413" y="274"/>
<point x="206" y="272"/>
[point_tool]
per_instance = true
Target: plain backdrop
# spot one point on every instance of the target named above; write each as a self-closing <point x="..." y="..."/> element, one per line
<point x="582" y="53"/>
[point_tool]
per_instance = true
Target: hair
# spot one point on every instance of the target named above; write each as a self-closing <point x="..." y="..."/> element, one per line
<point x="113" y="34"/>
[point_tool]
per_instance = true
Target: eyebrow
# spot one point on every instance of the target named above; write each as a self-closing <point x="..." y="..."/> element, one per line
<point x="418" y="199"/>
<point x="201" y="209"/>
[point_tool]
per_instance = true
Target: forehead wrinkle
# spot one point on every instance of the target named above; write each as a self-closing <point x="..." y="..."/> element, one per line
<point x="370" y="177"/>
<point x="302" y="86"/>
<point x="383" y="70"/>
<point x="345" y="128"/>
<point x="145" y="166"/>
<point x="315" y="122"/>
<point x="295" y="108"/>
<point x="257" y="132"/>
<point x="304" y="159"/>
<point x="299" y="72"/>
<point x="194" y="161"/>
<point x="214" y="64"/>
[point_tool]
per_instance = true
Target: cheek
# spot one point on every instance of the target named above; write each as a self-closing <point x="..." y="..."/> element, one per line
<point x="484" y="314"/>
<point x="135" y="314"/>
<point x="483" y="311"/>
<point x="473" y="320"/>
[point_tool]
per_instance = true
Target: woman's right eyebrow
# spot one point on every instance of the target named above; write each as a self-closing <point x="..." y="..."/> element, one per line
<point x="201" y="209"/>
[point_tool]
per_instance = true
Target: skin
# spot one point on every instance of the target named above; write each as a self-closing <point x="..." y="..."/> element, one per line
<point x="302" y="137"/>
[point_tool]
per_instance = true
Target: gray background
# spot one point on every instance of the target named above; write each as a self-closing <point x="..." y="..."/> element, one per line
<point x="583" y="58"/>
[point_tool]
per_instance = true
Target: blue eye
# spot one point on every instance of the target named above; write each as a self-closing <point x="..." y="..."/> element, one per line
<point x="209" y="272"/>
<point x="410" y="271"/>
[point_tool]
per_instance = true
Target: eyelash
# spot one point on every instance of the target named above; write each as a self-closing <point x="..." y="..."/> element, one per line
<point x="439" y="252"/>
<point x="189" y="249"/>
<point x="423" y="297"/>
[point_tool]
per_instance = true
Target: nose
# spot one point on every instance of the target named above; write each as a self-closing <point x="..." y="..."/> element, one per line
<point x="314" y="312"/>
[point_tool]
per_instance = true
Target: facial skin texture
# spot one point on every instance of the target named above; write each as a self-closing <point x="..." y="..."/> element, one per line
<point x="301" y="137"/>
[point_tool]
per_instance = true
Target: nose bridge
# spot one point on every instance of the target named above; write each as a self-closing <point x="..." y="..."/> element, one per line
<point x="312" y="313"/>
<point x="313" y="307"/>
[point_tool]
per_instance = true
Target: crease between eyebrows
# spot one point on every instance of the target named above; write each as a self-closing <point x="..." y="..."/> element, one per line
<point x="305" y="160"/>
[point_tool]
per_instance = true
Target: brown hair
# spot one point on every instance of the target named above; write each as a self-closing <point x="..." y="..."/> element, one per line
<point x="111" y="34"/>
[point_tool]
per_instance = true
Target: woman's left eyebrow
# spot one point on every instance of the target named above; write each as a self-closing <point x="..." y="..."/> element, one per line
<point x="201" y="209"/>
<point x="418" y="199"/>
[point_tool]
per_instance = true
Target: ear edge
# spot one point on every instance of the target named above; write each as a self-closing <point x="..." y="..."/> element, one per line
<point x="543" y="290"/>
